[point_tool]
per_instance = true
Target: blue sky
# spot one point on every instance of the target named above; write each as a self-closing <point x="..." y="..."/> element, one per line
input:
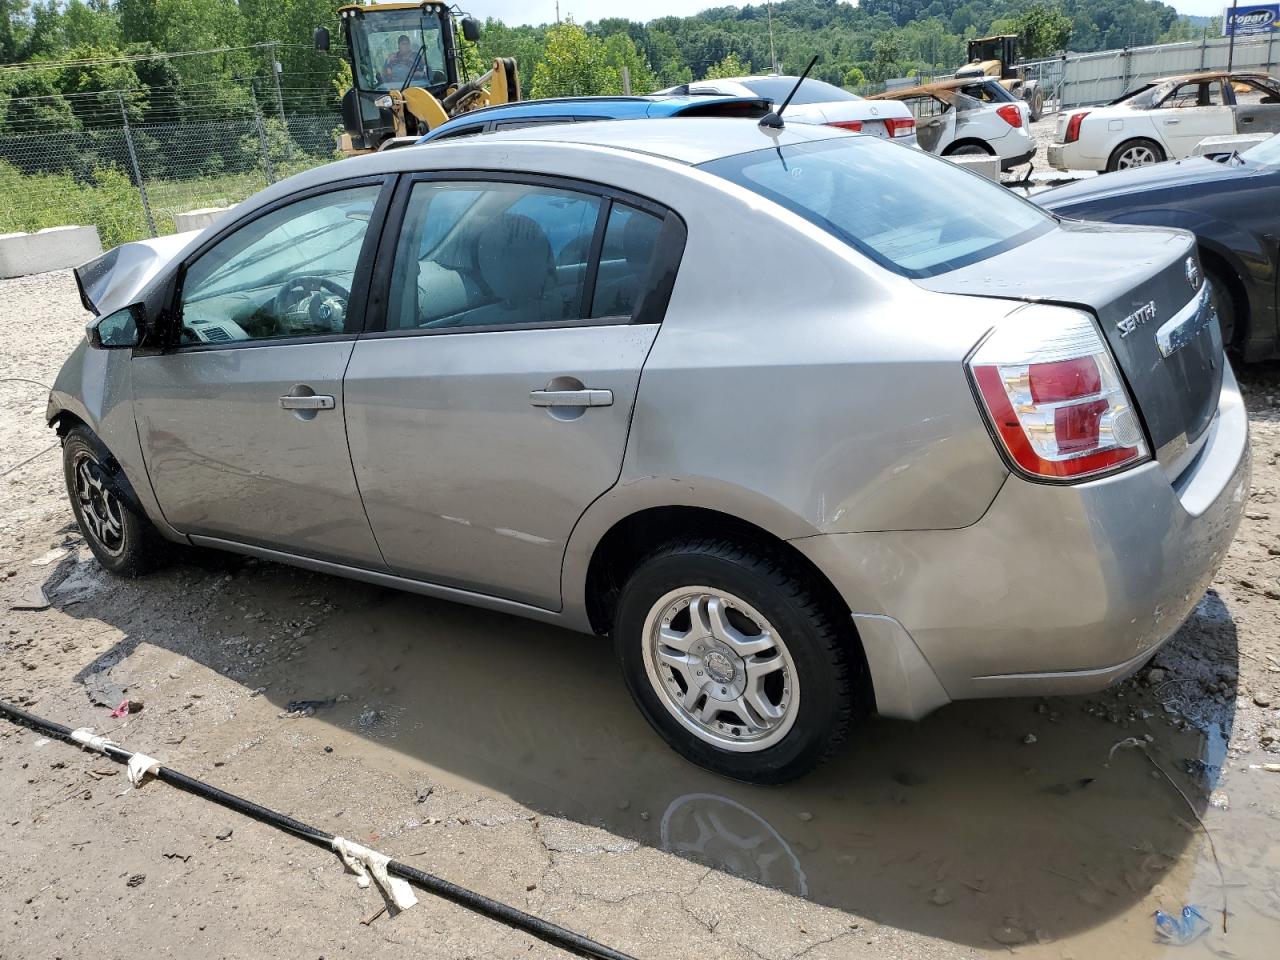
<point x="544" y="11"/>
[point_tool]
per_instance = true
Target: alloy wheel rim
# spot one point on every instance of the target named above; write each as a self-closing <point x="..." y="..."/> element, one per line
<point x="99" y="508"/>
<point x="720" y="669"/>
<point x="1136" y="157"/>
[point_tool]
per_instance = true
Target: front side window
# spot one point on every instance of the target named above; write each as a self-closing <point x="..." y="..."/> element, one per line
<point x="286" y="274"/>
<point x="1203" y="94"/>
<point x="909" y="212"/>
<point x="492" y="254"/>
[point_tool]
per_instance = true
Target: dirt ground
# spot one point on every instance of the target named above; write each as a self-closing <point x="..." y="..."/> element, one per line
<point x="505" y="756"/>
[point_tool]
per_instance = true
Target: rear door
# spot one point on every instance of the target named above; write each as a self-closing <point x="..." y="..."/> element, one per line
<point x="1191" y="112"/>
<point x="493" y="403"/>
<point x="935" y="122"/>
<point x="1257" y="106"/>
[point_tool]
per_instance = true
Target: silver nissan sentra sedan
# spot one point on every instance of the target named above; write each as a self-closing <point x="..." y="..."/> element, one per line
<point x="808" y="423"/>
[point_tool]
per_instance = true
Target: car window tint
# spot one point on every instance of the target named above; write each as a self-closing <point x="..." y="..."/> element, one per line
<point x="811" y="91"/>
<point x="286" y="274"/>
<point x="630" y="243"/>
<point x="517" y="123"/>
<point x="467" y="131"/>
<point x="908" y="211"/>
<point x="491" y="254"/>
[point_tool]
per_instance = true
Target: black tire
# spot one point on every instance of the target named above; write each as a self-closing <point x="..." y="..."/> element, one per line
<point x="124" y="541"/>
<point x="824" y="654"/>
<point x="970" y="149"/>
<point x="1220" y="290"/>
<point x="1130" y="148"/>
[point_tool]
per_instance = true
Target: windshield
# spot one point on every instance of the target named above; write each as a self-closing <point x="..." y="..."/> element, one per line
<point x="911" y="213"/>
<point x="811" y="91"/>
<point x="1267" y="153"/>
<point x="392" y="46"/>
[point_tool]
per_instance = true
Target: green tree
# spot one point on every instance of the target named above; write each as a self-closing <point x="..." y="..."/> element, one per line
<point x="620" y="51"/>
<point x="1042" y="31"/>
<point x="575" y="64"/>
<point x="730" y="66"/>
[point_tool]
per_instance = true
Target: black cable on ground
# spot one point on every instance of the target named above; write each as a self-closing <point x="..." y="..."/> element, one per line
<point x="494" y="909"/>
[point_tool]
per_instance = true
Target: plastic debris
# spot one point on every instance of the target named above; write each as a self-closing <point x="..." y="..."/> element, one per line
<point x="1182" y="929"/>
<point x="125" y="708"/>
<point x="1268" y="767"/>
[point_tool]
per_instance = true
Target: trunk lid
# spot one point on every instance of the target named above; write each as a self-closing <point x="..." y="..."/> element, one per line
<point x="1135" y="280"/>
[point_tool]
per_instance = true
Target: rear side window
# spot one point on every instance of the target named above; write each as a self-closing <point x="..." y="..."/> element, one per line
<point x="911" y="213"/>
<point x="492" y="255"/>
<point x="630" y="244"/>
<point x="811" y="91"/>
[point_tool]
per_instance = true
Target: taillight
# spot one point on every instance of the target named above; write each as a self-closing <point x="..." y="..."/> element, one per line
<point x="1054" y="397"/>
<point x="900" y="126"/>
<point x="854" y="125"/>
<point x="1073" y="126"/>
<point x="1011" y="114"/>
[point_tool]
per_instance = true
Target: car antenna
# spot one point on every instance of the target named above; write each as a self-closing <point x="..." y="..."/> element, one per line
<point x="773" y="119"/>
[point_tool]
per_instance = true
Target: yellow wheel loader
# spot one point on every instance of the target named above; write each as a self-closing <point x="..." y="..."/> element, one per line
<point x="997" y="57"/>
<point x="407" y="73"/>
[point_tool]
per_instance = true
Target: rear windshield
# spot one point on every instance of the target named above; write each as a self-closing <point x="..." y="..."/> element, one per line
<point x="1267" y="153"/>
<point x="910" y="212"/>
<point x="811" y="91"/>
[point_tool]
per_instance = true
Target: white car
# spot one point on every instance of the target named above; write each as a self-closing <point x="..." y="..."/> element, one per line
<point x="1165" y="119"/>
<point x="816" y="102"/>
<point x="968" y="117"/>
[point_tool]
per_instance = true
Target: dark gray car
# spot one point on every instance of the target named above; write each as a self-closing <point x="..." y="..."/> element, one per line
<point x="880" y="463"/>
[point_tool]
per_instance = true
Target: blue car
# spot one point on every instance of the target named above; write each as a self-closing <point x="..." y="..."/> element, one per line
<point x="528" y="113"/>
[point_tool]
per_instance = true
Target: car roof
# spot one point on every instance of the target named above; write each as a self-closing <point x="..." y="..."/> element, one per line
<point x="1210" y="75"/>
<point x="692" y="140"/>
<point x="614" y="108"/>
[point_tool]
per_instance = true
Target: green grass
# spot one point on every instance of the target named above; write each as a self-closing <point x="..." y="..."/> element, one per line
<point x="109" y="201"/>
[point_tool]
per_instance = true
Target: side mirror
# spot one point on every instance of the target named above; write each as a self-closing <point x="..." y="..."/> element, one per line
<point x="321" y="37"/>
<point x="470" y="29"/>
<point x="117" y="331"/>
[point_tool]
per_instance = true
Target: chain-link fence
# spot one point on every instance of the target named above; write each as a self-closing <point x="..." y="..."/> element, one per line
<point x="131" y="179"/>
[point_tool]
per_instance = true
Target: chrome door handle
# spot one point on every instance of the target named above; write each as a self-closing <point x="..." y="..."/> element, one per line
<point x="571" y="398"/>
<point x="312" y="402"/>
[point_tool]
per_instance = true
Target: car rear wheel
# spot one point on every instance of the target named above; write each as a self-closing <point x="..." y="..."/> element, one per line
<point x="1135" y="153"/>
<point x="736" y="660"/>
<point x="970" y="150"/>
<point x="122" y="540"/>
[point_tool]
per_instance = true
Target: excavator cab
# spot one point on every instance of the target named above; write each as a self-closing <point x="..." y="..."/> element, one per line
<point x="405" y="72"/>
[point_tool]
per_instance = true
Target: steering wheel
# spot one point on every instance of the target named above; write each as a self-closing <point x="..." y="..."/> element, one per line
<point x="327" y="312"/>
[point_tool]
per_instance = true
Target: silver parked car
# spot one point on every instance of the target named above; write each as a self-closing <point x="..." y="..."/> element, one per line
<point x="881" y="463"/>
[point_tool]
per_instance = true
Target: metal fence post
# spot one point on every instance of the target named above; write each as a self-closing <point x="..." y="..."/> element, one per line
<point x="137" y="171"/>
<point x="262" y="140"/>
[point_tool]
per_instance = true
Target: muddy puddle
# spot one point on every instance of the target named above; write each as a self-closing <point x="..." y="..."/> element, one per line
<point x="994" y="825"/>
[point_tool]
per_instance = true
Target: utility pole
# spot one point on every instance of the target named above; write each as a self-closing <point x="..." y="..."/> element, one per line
<point x="1231" y="45"/>
<point x="276" y="69"/>
<point x="773" y="56"/>
<point x="557" y="11"/>
<point x="133" y="164"/>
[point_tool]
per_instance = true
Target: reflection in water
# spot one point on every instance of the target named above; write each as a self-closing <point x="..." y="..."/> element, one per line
<point x="723" y="833"/>
<point x="987" y="820"/>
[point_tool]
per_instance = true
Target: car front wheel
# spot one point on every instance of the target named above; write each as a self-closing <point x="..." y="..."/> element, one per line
<point x="737" y="660"/>
<point x="122" y="540"/>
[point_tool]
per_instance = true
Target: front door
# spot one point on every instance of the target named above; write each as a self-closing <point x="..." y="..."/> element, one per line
<point x="1191" y="112"/>
<point x="242" y="422"/>
<point x="494" y="407"/>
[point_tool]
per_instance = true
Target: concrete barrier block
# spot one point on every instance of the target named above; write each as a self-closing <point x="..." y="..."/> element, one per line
<point x="54" y="248"/>
<point x="198" y="219"/>
<point x="989" y="167"/>
<point x="1229" y="142"/>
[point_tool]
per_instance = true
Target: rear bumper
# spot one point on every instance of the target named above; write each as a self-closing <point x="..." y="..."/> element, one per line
<point x="1008" y="163"/>
<point x="1056" y="590"/>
